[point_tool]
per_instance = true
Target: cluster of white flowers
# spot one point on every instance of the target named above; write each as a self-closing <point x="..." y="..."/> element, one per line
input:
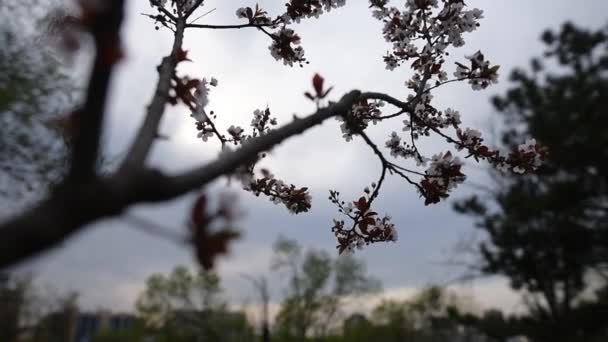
<point x="529" y="149"/>
<point x="205" y="134"/>
<point x="368" y="227"/>
<point x="241" y="13"/>
<point x="453" y="116"/>
<point x="201" y="95"/>
<point x="461" y="71"/>
<point x="235" y="131"/>
<point x="377" y="229"/>
<point x="186" y="5"/>
<point x="428" y="117"/>
<point x="422" y="32"/>
<point x="454" y="21"/>
<point x="329" y="4"/>
<point x="296" y="200"/>
<point x="346" y="133"/>
<point x="404" y="150"/>
<point x="480" y="74"/>
<point x="285" y="46"/>
<point x="437" y="28"/>
<point x="256" y="17"/>
<point x="528" y="146"/>
<point x="421" y="105"/>
<point x="470" y="137"/>
<point x="388" y="227"/>
<point x="285" y="41"/>
<point x="297" y="10"/>
<point x="359" y="118"/>
<point x="394" y="144"/>
<point x="260" y="121"/>
<point x="444" y="170"/>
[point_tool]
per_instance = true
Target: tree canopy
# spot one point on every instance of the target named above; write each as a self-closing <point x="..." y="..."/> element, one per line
<point x="34" y="89"/>
<point x="186" y="305"/>
<point x="318" y="284"/>
<point x="547" y="232"/>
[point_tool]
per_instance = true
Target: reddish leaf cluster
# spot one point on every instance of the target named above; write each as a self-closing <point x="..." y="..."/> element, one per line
<point x="297" y="200"/>
<point x="303" y="8"/>
<point x="256" y="16"/>
<point x="183" y="88"/>
<point x="317" y="84"/>
<point x="480" y="73"/>
<point x="368" y="227"/>
<point x="209" y="244"/>
<point x="444" y="174"/>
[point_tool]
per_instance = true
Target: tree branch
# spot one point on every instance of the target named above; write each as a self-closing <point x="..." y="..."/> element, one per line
<point x="142" y="144"/>
<point x="89" y="120"/>
<point x="248" y="152"/>
<point x="72" y="206"/>
<point x="226" y="27"/>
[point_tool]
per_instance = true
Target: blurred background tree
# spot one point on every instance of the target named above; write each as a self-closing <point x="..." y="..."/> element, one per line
<point x="424" y="317"/>
<point x="547" y="232"/>
<point x="186" y="306"/>
<point x="35" y="87"/>
<point x="317" y="286"/>
<point x="60" y="323"/>
<point x="14" y="296"/>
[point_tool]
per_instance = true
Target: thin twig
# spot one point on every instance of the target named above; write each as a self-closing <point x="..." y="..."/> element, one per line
<point x="155" y="229"/>
<point x="202" y="15"/>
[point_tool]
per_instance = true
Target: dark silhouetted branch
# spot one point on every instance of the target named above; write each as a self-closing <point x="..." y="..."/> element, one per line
<point x="105" y="28"/>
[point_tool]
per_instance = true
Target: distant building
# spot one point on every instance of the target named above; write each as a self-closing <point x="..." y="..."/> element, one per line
<point x="81" y="326"/>
<point x="88" y="325"/>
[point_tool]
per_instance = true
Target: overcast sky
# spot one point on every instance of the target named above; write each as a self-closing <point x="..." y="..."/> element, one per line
<point x="109" y="262"/>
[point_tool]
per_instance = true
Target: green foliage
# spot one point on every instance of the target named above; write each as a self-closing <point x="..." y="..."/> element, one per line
<point x="317" y="285"/>
<point x="58" y="325"/>
<point x="183" y="304"/>
<point x="181" y="290"/>
<point x="548" y="232"/>
<point x="33" y="88"/>
<point x="14" y="297"/>
<point x="424" y="317"/>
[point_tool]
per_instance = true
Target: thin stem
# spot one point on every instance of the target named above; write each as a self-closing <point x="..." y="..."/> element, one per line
<point x="155" y="229"/>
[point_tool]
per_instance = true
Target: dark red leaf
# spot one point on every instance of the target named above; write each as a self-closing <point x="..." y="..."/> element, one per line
<point x="361" y="204"/>
<point x="210" y="246"/>
<point x="192" y="83"/>
<point x="317" y="84"/>
<point x="182" y="55"/>
<point x="199" y="216"/>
